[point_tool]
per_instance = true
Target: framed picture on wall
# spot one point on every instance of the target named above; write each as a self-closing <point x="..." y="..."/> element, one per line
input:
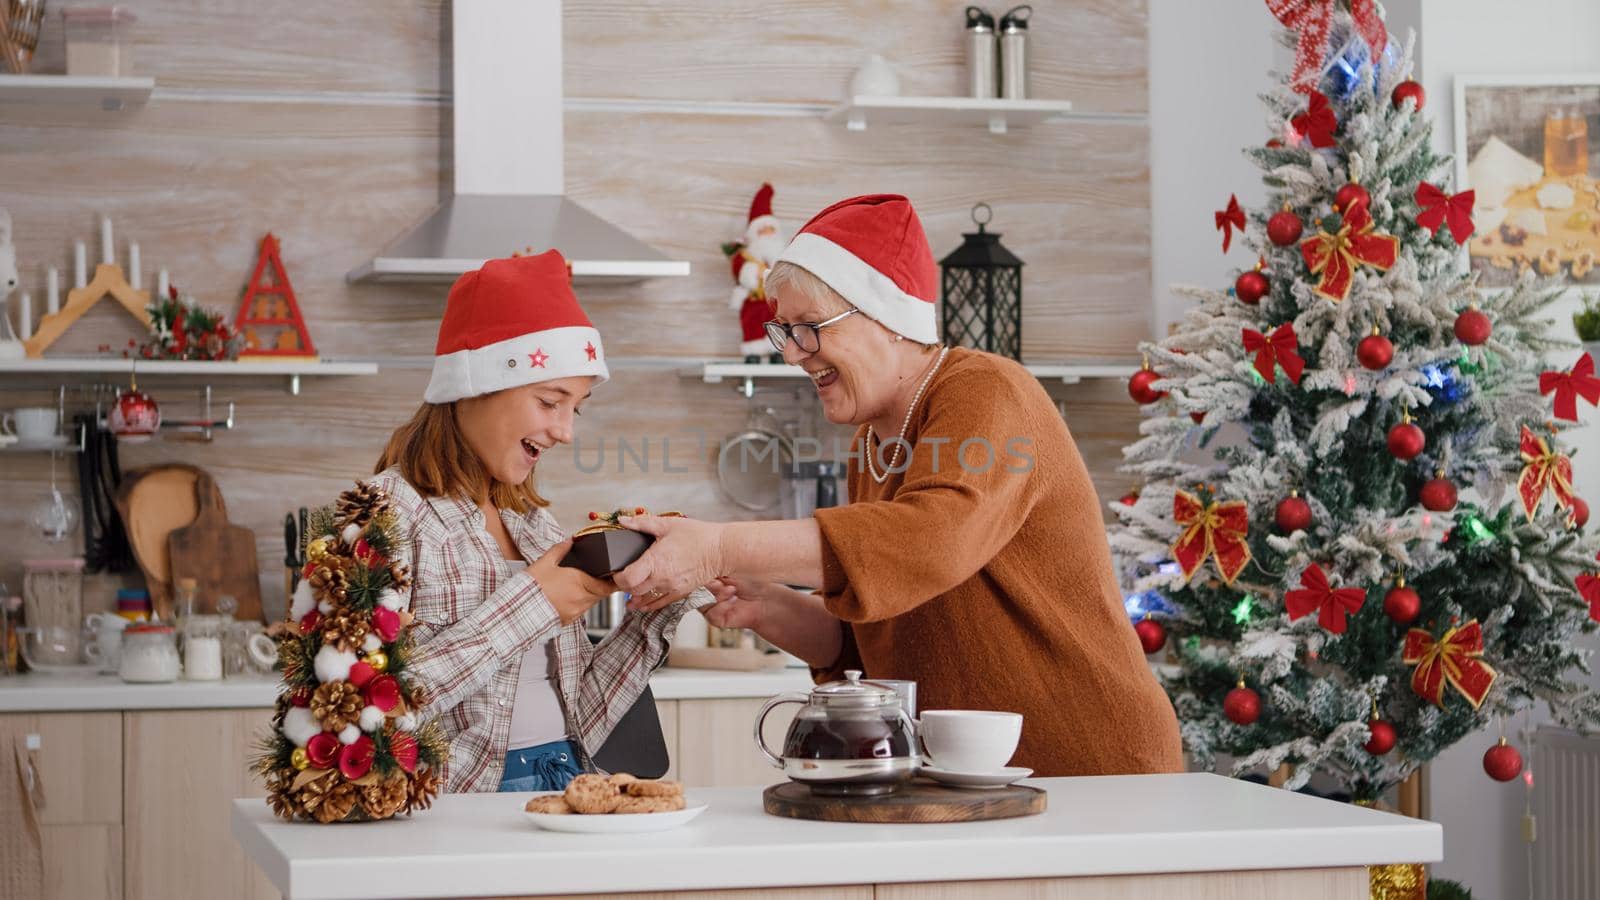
<point x="1529" y="146"/>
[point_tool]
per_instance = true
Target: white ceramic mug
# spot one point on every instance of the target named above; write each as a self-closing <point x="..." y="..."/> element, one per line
<point x="969" y="740"/>
<point x="31" y="424"/>
<point x="107" y="628"/>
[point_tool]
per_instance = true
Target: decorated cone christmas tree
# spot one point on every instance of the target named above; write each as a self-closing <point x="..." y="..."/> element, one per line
<point x="1375" y="550"/>
<point x="347" y="742"/>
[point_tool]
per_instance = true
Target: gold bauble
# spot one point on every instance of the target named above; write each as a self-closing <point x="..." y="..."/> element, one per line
<point x="378" y="660"/>
<point x="317" y="549"/>
<point x="299" y="759"/>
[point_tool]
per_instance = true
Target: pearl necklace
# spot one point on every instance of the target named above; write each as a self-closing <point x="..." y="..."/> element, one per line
<point x="900" y="442"/>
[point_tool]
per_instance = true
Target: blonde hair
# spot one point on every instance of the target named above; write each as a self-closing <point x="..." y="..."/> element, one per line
<point x="786" y="274"/>
<point x="433" y="457"/>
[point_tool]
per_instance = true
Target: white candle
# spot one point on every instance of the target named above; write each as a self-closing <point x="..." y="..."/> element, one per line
<point x="25" y="316"/>
<point x="163" y="285"/>
<point x="108" y="252"/>
<point x="80" y="265"/>
<point x="135" y="273"/>
<point x="52" y="297"/>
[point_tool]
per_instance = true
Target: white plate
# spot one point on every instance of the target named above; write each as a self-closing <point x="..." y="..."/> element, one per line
<point x="996" y="779"/>
<point x="615" y="823"/>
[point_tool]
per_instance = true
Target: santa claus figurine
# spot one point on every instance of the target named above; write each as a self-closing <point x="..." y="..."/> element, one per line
<point x="751" y="258"/>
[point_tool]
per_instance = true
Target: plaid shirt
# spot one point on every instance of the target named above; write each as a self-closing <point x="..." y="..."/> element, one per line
<point x="473" y="623"/>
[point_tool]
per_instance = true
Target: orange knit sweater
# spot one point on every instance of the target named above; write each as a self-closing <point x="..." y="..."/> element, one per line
<point x="994" y="589"/>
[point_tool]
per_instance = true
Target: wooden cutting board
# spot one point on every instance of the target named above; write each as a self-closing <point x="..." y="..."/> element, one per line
<point x="153" y="502"/>
<point x="219" y="556"/>
<point x="917" y="800"/>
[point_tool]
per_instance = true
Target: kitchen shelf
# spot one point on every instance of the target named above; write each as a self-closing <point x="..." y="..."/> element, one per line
<point x="110" y="93"/>
<point x="999" y="115"/>
<point x="716" y="371"/>
<point x="147" y="368"/>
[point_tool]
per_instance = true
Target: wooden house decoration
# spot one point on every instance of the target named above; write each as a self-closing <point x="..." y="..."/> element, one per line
<point x="108" y="281"/>
<point x="269" y="316"/>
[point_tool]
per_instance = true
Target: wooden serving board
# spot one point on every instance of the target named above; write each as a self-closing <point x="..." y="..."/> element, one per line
<point x="918" y="800"/>
<point x="153" y="502"/>
<point x="220" y="556"/>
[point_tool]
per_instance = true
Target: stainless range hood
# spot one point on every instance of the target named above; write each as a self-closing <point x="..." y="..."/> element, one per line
<point x="509" y="165"/>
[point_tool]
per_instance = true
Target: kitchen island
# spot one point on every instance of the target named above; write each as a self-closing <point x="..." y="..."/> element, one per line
<point x="1128" y="837"/>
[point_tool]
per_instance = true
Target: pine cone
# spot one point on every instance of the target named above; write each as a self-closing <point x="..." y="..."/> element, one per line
<point x="424" y="785"/>
<point x="337" y="704"/>
<point x="279" y="798"/>
<point x="358" y="505"/>
<point x="330" y="584"/>
<point x="345" y="630"/>
<point x="386" y="798"/>
<point x="400" y="577"/>
<point x="337" y="802"/>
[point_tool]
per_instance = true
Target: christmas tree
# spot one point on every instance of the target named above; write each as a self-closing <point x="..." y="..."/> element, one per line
<point x="1355" y="507"/>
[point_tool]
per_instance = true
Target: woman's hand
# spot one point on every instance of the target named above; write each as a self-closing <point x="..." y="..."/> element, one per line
<point x="687" y="553"/>
<point x="570" y="591"/>
<point x="741" y="602"/>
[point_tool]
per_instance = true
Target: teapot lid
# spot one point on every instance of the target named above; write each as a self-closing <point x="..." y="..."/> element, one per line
<point x="853" y="693"/>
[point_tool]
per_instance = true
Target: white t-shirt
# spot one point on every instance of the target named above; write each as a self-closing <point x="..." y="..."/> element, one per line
<point x="536" y="715"/>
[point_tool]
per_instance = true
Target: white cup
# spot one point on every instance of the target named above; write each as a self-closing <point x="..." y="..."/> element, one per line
<point x="969" y="740"/>
<point x="107" y="628"/>
<point x="32" y="424"/>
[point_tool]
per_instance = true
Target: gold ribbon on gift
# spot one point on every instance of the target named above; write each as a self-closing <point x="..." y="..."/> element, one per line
<point x="608" y="521"/>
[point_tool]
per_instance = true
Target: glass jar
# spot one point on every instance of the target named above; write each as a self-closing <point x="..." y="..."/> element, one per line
<point x="1566" y="141"/>
<point x="202" y="648"/>
<point x="149" y="654"/>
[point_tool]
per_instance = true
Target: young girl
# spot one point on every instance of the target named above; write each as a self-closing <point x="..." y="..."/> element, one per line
<point x="501" y="649"/>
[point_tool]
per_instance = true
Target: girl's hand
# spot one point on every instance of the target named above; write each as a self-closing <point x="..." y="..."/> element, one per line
<point x="741" y="603"/>
<point x="570" y="591"/>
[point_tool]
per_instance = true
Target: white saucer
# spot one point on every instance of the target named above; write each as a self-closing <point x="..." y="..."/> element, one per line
<point x="615" y="823"/>
<point x="977" y="780"/>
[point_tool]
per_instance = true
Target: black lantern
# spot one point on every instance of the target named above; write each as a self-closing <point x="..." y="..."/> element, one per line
<point x="981" y="292"/>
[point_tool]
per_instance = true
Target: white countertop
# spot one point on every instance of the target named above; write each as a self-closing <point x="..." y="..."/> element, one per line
<point x="61" y="693"/>
<point x="481" y="844"/>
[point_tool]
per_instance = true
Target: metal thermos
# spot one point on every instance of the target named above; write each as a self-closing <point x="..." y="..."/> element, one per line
<point x="982" y="61"/>
<point x="1014" y="53"/>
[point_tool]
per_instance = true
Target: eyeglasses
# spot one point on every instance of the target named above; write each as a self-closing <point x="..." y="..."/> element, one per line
<point x="807" y="335"/>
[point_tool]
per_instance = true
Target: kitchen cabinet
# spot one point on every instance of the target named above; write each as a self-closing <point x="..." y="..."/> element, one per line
<point x="716" y="742"/>
<point x="79" y="763"/>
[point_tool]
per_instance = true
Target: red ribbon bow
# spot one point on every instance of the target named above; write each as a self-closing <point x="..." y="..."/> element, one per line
<point x="1312" y="19"/>
<point x="1317" y="594"/>
<point x="1229" y="219"/>
<point x="1438" y="207"/>
<point x="1544" y="468"/>
<point x="1277" y="350"/>
<point x="1589" y="589"/>
<point x="1219" y="530"/>
<point x="1453" y="659"/>
<point x="1569" y="386"/>
<point x="1317" y="123"/>
<point x="1334" y="256"/>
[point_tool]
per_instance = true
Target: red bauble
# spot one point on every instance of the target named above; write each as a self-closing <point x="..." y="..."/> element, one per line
<point x="1375" y="352"/>
<point x="135" y="417"/>
<point x="1251" y="286"/>
<point x="300" y="696"/>
<point x="1293" y="514"/>
<point x="1473" y="327"/>
<point x="1383" y="737"/>
<point x="310" y="621"/>
<point x="1439" y="495"/>
<point x="1407" y="89"/>
<point x="1139" y="387"/>
<point x="361" y="673"/>
<point x="1198" y="418"/>
<point x="1284" y="228"/>
<point x="1274" y="143"/>
<point x="1502" y="762"/>
<point x="1349" y="195"/>
<point x="323" y="749"/>
<point x="1406" y="441"/>
<point x="383" y="692"/>
<point x="1152" y="635"/>
<point x="1579" y="512"/>
<point x="355" y="760"/>
<point x="1242" y="706"/>
<point x="1130" y="498"/>
<point x="1402" y="604"/>
<point x="385" y="623"/>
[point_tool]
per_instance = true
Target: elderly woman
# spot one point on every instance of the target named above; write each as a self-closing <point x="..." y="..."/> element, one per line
<point x="971" y="557"/>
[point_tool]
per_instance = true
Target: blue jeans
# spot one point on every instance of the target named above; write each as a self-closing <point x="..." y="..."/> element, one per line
<point x="547" y="767"/>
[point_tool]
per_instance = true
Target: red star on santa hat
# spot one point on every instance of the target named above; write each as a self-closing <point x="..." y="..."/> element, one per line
<point x="589" y="349"/>
<point x="537" y="358"/>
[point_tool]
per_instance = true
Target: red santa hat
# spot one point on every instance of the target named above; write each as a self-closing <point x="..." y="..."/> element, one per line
<point x="760" y="212"/>
<point x="873" y="252"/>
<point x="513" y="322"/>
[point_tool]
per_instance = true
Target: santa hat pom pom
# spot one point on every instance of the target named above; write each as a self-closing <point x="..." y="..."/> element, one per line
<point x="371" y="718"/>
<point x="299" y="725"/>
<point x="332" y="665"/>
<point x="303" y="601"/>
<point x="349" y="734"/>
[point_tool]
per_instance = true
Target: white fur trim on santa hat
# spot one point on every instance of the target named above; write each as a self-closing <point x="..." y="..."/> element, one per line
<point x="525" y="359"/>
<point x="864" y="287"/>
<point x="299" y="725"/>
<point x="332" y="665"/>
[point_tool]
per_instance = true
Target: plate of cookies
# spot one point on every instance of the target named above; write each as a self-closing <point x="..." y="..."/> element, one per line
<point x="615" y="804"/>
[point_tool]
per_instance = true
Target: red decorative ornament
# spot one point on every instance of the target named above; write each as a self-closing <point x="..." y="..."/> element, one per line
<point x="1199" y="418"/>
<point x="1349" y="195"/>
<point x="385" y="624"/>
<point x="1312" y="22"/>
<point x="1408" y="90"/>
<point x="1332" y="605"/>
<point x="1502" y="762"/>
<point x="383" y="692"/>
<point x="1293" y="514"/>
<point x="1284" y="228"/>
<point x="323" y="749"/>
<point x="1569" y="386"/>
<point x="1578" y="513"/>
<point x="1438" y="495"/>
<point x="1318" y="123"/>
<point x="300" y="697"/>
<point x="1219" y="530"/>
<point x="1402" y="604"/>
<point x="1242" y="706"/>
<point x="1275" y="143"/>
<point x="1375" y="352"/>
<point x="1543" y="468"/>
<point x="1152" y="634"/>
<point x="1334" y="256"/>
<point x="361" y="673"/>
<point x="1473" y="327"/>
<point x="1455" y="659"/>
<point x="1439" y="207"/>
<point x="1589" y="589"/>
<point x="1139" y="386"/>
<point x="1274" y="351"/>
<point x="355" y="760"/>
<point x="1229" y="219"/>
<point x="269" y="315"/>
<point x="1251" y="286"/>
<point x="1130" y="498"/>
<point x="1406" y="440"/>
<point x="135" y="417"/>
<point x="403" y="747"/>
<point x="310" y="621"/>
<point x="1382" y="739"/>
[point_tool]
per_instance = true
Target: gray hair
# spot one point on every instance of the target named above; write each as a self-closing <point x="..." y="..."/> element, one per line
<point x="787" y="274"/>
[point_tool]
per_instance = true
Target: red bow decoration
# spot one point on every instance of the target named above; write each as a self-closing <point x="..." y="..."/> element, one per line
<point x="1317" y="123"/>
<point x="1312" y="19"/>
<point x="1439" y="207"/>
<point x="1544" y="468"/>
<point x="1229" y="219"/>
<point x="1569" y="386"/>
<point x="1317" y="594"/>
<point x="1219" y="530"/>
<point x="1589" y="589"/>
<point x="1453" y="659"/>
<point x="1277" y="350"/>
<point x="1334" y="256"/>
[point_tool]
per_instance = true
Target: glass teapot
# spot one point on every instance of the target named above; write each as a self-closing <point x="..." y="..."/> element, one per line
<point x="851" y="737"/>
